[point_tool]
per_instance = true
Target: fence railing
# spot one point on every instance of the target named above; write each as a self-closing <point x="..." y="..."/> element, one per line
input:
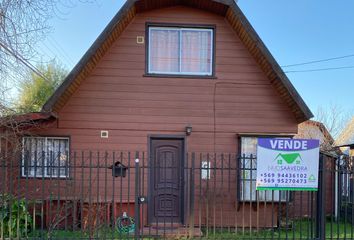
<point x="117" y="195"/>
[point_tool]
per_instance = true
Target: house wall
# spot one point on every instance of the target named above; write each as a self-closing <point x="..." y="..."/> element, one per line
<point x="3" y="170"/>
<point x="8" y="150"/>
<point x="118" y="97"/>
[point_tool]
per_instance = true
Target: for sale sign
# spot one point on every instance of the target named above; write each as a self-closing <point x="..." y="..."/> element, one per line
<point x="287" y="164"/>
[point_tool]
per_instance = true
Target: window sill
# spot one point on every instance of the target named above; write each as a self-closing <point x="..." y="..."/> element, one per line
<point x="178" y="76"/>
<point x="46" y="178"/>
<point x="262" y="201"/>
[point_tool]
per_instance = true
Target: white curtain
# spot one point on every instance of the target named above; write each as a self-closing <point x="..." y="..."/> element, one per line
<point x="164" y="51"/>
<point x="249" y="177"/>
<point x="196" y="51"/>
<point x="45" y="157"/>
<point x="180" y="51"/>
<point x="34" y="156"/>
<point x="248" y="166"/>
<point x="57" y="157"/>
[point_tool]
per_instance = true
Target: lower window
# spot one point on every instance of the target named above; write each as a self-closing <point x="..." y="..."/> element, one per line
<point x="248" y="174"/>
<point x="45" y="157"/>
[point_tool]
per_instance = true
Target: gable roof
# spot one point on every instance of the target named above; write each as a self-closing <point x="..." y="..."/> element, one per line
<point x="226" y="8"/>
<point x="21" y="121"/>
<point x="346" y="138"/>
<point x="305" y="129"/>
<point x="317" y="130"/>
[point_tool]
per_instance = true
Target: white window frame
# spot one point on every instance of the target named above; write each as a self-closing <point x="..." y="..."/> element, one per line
<point x="46" y="175"/>
<point x="276" y="195"/>
<point x="205" y="169"/>
<point x="180" y="29"/>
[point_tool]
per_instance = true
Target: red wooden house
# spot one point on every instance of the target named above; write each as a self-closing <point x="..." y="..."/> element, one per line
<point x="165" y="78"/>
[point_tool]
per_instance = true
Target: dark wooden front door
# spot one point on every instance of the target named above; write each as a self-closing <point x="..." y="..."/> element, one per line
<point x="166" y="180"/>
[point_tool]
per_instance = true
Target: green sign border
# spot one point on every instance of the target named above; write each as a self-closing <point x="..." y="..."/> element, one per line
<point x="287" y="188"/>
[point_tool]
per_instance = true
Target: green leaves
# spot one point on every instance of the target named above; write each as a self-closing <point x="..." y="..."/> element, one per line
<point x="15" y="220"/>
<point x="36" y="90"/>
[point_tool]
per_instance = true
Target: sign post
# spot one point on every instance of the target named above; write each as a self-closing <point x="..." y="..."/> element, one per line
<point x="287" y="164"/>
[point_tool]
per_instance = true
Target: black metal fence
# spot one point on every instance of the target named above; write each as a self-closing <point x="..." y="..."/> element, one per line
<point x="118" y="195"/>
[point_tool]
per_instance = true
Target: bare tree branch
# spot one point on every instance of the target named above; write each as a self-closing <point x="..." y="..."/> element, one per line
<point x="334" y="117"/>
<point x="22" y="25"/>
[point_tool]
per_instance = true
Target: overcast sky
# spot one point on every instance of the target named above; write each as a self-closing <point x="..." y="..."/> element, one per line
<point x="294" y="31"/>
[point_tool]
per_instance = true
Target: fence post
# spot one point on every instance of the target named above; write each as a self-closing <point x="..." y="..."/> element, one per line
<point x="321" y="205"/>
<point x="191" y="216"/>
<point x="137" y="206"/>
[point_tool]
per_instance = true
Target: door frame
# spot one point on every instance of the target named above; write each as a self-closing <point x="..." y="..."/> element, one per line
<point x="185" y="172"/>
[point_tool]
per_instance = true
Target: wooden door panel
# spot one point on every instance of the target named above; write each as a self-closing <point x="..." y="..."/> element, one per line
<point x="165" y="207"/>
<point x="167" y="180"/>
<point x="166" y="162"/>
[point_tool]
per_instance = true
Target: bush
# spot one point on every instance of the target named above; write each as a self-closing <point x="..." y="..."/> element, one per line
<point x="14" y="217"/>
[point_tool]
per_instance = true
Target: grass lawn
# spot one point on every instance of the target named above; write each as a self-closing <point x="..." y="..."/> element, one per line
<point x="106" y="233"/>
<point x="301" y="230"/>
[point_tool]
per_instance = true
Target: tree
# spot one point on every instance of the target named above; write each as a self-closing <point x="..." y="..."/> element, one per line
<point x="334" y="117"/>
<point x="35" y="90"/>
<point x="24" y="23"/>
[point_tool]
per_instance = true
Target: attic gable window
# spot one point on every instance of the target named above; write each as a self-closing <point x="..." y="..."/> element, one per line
<point x="180" y="51"/>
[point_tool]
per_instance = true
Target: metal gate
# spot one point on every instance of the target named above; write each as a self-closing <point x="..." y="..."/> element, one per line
<point x="106" y="195"/>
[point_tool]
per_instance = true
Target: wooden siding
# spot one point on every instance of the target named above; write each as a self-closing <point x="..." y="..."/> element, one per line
<point x="234" y="17"/>
<point x="118" y="98"/>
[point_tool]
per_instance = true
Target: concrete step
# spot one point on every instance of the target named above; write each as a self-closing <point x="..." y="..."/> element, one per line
<point x="171" y="232"/>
